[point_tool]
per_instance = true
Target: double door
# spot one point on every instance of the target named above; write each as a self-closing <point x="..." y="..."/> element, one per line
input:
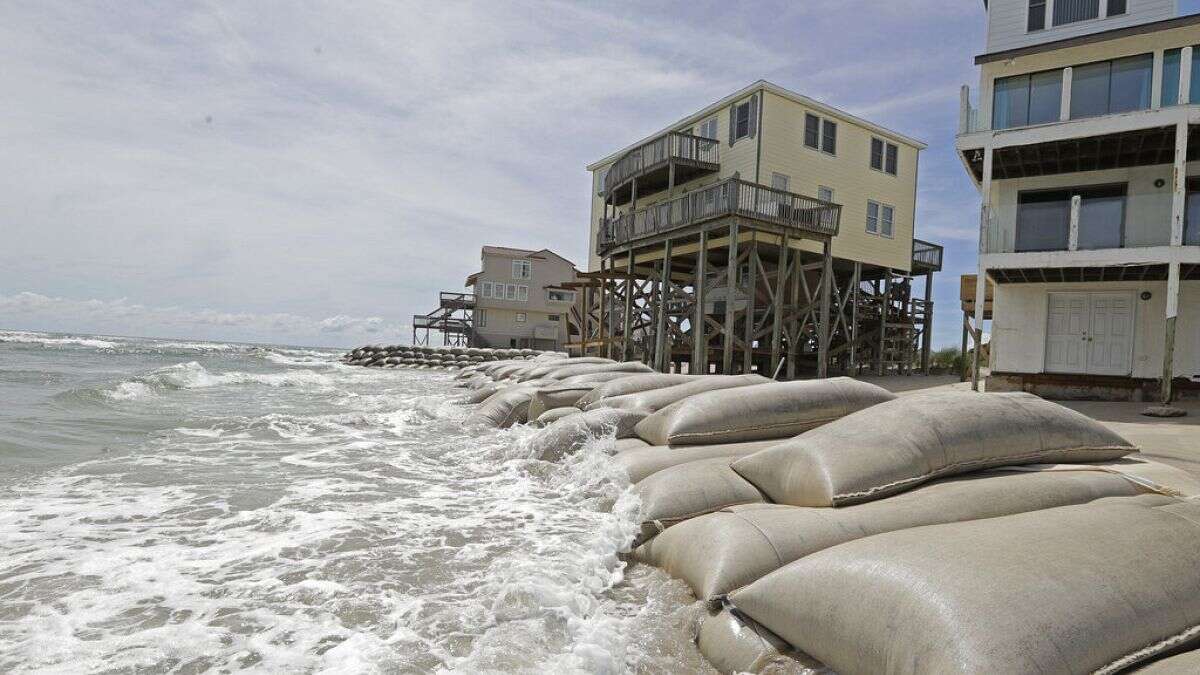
<point x="1090" y="333"/>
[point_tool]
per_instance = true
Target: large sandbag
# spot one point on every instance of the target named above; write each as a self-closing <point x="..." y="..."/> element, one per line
<point x="623" y="444"/>
<point x="723" y="551"/>
<point x="686" y="491"/>
<point x="596" y="379"/>
<point x="632" y="384"/>
<point x="897" y="445"/>
<point x="556" y="396"/>
<point x="485" y="392"/>
<point x="1186" y="663"/>
<point x="761" y="411"/>
<point x="506" y="407"/>
<point x="657" y="399"/>
<point x="567" y="435"/>
<point x="735" y="644"/>
<point x="540" y="370"/>
<point x="574" y="370"/>
<point x="639" y="462"/>
<point x="551" y="416"/>
<point x="1095" y="588"/>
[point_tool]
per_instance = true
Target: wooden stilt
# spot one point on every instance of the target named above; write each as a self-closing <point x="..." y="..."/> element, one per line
<point x="630" y="284"/>
<point x="751" y="302"/>
<point x="823" y="328"/>
<point x="781" y="273"/>
<point x="731" y="286"/>
<point x="662" y="343"/>
<point x="699" y="332"/>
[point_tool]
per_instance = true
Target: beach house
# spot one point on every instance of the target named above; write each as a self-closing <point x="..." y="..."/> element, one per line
<point x="1090" y="224"/>
<point x="764" y="227"/>
<point x="521" y="298"/>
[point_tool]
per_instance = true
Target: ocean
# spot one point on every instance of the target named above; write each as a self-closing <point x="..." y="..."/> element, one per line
<point x="189" y="507"/>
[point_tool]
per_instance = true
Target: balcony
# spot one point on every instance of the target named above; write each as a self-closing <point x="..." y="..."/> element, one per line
<point x="926" y="257"/>
<point x="651" y="165"/>
<point x="456" y="301"/>
<point x="730" y="197"/>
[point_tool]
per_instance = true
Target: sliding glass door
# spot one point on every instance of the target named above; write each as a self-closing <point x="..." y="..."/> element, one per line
<point x="1044" y="218"/>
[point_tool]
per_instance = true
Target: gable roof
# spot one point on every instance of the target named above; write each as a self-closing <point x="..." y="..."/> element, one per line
<point x="764" y="85"/>
<point x="510" y="252"/>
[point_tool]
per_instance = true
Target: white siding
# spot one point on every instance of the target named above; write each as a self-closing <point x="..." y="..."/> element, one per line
<point x="1019" y="328"/>
<point x="1007" y="22"/>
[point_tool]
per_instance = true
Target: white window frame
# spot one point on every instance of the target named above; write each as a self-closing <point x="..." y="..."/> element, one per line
<point x="481" y="318"/>
<point x="780" y="178"/>
<point x="829" y="190"/>
<point x="522" y="293"/>
<point x="705" y="131"/>
<point x="887" y="214"/>
<point x="485" y="289"/>
<point x="884" y="146"/>
<point x="510" y="292"/>
<point x="522" y="269"/>
<point x="521" y="317"/>
<point x="878" y="208"/>
<point x="823" y="123"/>
<point x="551" y="291"/>
<point x="749" y="122"/>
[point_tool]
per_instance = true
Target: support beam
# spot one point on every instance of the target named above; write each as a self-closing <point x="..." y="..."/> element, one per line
<point x="854" y="287"/>
<point x="662" y="344"/>
<point x="630" y="284"/>
<point x="966" y="324"/>
<point x="985" y="217"/>
<point x="699" y="334"/>
<point x="885" y="299"/>
<point x="751" y="302"/>
<point x="1168" y="374"/>
<point x="793" y="350"/>
<point x="777" y="310"/>
<point x="731" y="278"/>
<point x="823" y="327"/>
<point x="927" y="329"/>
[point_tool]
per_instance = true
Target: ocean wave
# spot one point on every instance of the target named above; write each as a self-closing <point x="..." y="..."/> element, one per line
<point x="192" y="375"/>
<point x="54" y="340"/>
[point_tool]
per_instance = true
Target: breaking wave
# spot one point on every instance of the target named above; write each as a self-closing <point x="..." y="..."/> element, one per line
<point x="192" y="375"/>
<point x="52" y="341"/>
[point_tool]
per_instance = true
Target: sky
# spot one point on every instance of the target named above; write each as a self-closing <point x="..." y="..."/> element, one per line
<point x="315" y="172"/>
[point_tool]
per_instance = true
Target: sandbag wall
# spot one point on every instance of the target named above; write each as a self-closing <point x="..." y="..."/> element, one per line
<point x="830" y="526"/>
<point x="444" y="358"/>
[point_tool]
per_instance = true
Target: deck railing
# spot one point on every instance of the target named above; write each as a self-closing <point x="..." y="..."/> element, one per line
<point x="671" y="145"/>
<point x="927" y="254"/>
<point x="730" y="197"/>
<point x="458" y="300"/>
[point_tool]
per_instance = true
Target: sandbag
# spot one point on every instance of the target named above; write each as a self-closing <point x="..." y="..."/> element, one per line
<point x="736" y="644"/>
<point x="639" y="462"/>
<point x="686" y="491"/>
<point x="540" y="370"/>
<point x="556" y="396"/>
<point x="760" y="411"/>
<point x="897" y="445"/>
<point x="632" y="384"/>
<point x="723" y="551"/>
<point x="657" y="399"/>
<point x="623" y="444"/>
<point x="506" y="407"/>
<point x="485" y="392"/>
<point x="574" y="370"/>
<point x="567" y="435"/>
<point x="1077" y="589"/>
<point x="1186" y="663"/>
<point x="551" y="416"/>
<point x="596" y="378"/>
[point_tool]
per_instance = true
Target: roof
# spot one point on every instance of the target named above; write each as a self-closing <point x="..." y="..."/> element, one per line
<point x="778" y="91"/>
<point x="1091" y="38"/>
<point x="509" y="252"/>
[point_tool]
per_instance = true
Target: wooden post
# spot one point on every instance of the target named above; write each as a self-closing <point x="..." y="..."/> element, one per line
<point x="751" y="302"/>
<point x="927" y="332"/>
<point x="699" y="334"/>
<point x="855" y="283"/>
<point x="1169" y="336"/>
<point x="793" y="352"/>
<point x="885" y="299"/>
<point x="600" y="306"/>
<point x="584" y="328"/>
<point x="662" y="346"/>
<point x="626" y="336"/>
<point x="985" y="217"/>
<point x="966" y="324"/>
<point x="777" y="310"/>
<point x="824" y="333"/>
<point x="731" y="278"/>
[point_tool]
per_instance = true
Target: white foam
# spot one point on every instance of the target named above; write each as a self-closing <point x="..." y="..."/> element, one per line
<point x="50" y="340"/>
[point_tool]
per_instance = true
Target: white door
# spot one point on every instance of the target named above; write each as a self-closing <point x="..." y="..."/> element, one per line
<point x="1090" y="333"/>
<point x="1066" y="333"/>
<point x="1110" y="338"/>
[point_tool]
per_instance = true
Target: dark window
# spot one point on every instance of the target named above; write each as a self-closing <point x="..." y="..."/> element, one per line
<point x="1027" y="99"/>
<point x="1191" y="228"/>
<point x="1116" y="7"/>
<point x="829" y="137"/>
<point x="812" y="131"/>
<point x="1043" y="220"/>
<point x="884" y="156"/>
<point x="893" y="159"/>
<point x="877" y="154"/>
<point x="1170" y="78"/>
<point x="1070" y="11"/>
<point x="1045" y="97"/>
<point x="1037" y="15"/>
<point x="1101" y="217"/>
<point x="741" y="127"/>
<point x="1111" y="86"/>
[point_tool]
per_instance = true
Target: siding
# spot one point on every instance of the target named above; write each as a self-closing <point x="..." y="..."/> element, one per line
<point x="546" y="270"/>
<point x="1007" y="22"/>
<point x="1019" y="328"/>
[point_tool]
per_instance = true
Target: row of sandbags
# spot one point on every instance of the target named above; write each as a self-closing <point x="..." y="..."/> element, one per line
<point x="744" y="483"/>
<point x="401" y="356"/>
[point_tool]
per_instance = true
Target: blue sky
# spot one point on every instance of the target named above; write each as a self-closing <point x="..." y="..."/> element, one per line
<point x="314" y="173"/>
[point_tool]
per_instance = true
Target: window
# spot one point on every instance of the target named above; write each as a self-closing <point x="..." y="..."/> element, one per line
<point x="825" y="194"/>
<point x="554" y="295"/>
<point x="812" y="131"/>
<point x="522" y="269"/>
<point x="884" y="156"/>
<point x="510" y="292"/>
<point x="1170" y="78"/>
<point x="481" y="318"/>
<point x="1070" y="11"/>
<point x="886" y="220"/>
<point x="1027" y="99"/>
<point x="779" y="181"/>
<point x="552" y="317"/>
<point x="1111" y="86"/>
<point x="522" y="293"/>
<point x="708" y="128"/>
<point x="829" y="137"/>
<point x="1191" y="227"/>
<point x="741" y="120"/>
<point x="872" y="218"/>
<point x="601" y="176"/>
<point x="520" y="317"/>
<point x="1044" y="218"/>
<point x="1037" y="15"/>
<point x="880" y="219"/>
<point x="1116" y="7"/>
<point x="485" y="289"/>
